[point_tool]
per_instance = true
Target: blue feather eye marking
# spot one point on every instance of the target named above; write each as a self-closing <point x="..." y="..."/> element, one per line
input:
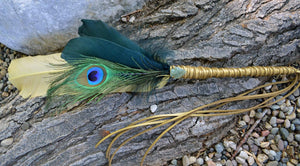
<point x="94" y="75"/>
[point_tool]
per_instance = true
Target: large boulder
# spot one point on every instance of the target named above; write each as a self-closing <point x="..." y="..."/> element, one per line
<point x="40" y="27"/>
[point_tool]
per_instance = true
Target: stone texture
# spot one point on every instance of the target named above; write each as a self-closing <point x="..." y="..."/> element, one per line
<point x="219" y="34"/>
<point x="40" y="27"/>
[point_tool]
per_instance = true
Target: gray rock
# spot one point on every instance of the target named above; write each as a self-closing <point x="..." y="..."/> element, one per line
<point x="293" y="127"/>
<point x="262" y="158"/>
<point x="278" y="156"/>
<point x="200" y="161"/>
<point x="219" y="148"/>
<point x="185" y="160"/>
<point x="240" y="160"/>
<point x="284" y="133"/>
<point x="281" y="115"/>
<point x="174" y="162"/>
<point x="298" y="102"/>
<point x="280" y="145"/>
<point x="297" y="137"/>
<point x="273" y="121"/>
<point x="275" y="107"/>
<point x="272" y="163"/>
<point x="280" y="102"/>
<point x="287" y="124"/>
<point x="7" y="142"/>
<point x="296" y="121"/>
<point x="54" y="23"/>
<point x="274" y="130"/>
<point x="290" y="138"/>
<point x="243" y="155"/>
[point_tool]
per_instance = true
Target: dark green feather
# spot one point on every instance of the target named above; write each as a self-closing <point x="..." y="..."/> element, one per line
<point x="104" y="49"/>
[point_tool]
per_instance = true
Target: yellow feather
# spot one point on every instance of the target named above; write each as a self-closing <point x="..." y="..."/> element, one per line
<point x="32" y="75"/>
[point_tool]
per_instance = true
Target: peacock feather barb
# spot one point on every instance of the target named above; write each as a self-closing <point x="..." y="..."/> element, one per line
<point x="101" y="61"/>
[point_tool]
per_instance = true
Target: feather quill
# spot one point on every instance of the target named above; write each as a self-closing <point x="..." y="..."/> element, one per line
<point x="33" y="75"/>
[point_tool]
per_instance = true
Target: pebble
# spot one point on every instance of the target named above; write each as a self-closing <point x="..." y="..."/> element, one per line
<point x="153" y="108"/>
<point x="281" y="101"/>
<point x="251" y="160"/>
<point x="185" y="160"/>
<point x="275" y="107"/>
<point x="290" y="138"/>
<point x="281" y="115"/>
<point x="246" y="118"/>
<point x="174" y="162"/>
<point x="264" y="144"/>
<point x="200" y="161"/>
<point x="252" y="114"/>
<point x="293" y="127"/>
<point x="287" y="123"/>
<point x="268" y="126"/>
<point x="280" y="145"/>
<point x="258" y="140"/>
<point x="1" y="85"/>
<point x="294" y="161"/>
<point x="229" y="144"/>
<point x="272" y="153"/>
<point x="258" y="115"/>
<point x="243" y="155"/>
<point x="254" y="134"/>
<point x="25" y="126"/>
<point x="298" y="102"/>
<point x="192" y="159"/>
<point x="283" y="107"/>
<point x="210" y="163"/>
<point x="291" y="116"/>
<point x="5" y="94"/>
<point x="297" y="137"/>
<point x="6" y="142"/>
<point x="273" y="121"/>
<point x="262" y="158"/>
<point x="278" y="156"/>
<point x="296" y="121"/>
<point x="240" y="160"/>
<point x="274" y="130"/>
<point x="284" y="133"/>
<point x="289" y="164"/>
<point x="242" y="123"/>
<point x="219" y="147"/>
<point x="279" y="121"/>
<point x="229" y="163"/>
<point x="272" y="163"/>
<point x="265" y="133"/>
<point x="296" y="93"/>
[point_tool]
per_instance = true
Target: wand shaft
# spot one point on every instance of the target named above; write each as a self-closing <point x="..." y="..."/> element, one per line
<point x="200" y="72"/>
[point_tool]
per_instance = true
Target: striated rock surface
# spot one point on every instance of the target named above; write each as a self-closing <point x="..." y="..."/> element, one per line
<point x="216" y="33"/>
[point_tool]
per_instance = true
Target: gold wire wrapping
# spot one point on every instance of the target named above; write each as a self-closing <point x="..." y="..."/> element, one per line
<point x="200" y="72"/>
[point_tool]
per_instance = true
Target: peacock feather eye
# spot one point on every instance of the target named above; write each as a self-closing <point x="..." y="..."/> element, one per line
<point x="92" y="76"/>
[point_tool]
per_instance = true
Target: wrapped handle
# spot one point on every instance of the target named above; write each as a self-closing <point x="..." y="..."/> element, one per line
<point x="191" y="72"/>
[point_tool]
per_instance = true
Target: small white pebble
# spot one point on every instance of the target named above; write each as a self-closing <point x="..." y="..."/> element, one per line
<point x="153" y="108"/>
<point x="131" y="20"/>
<point x="124" y="19"/>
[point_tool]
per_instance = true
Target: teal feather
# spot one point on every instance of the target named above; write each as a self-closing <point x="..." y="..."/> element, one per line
<point x="97" y="28"/>
<point x="99" y="40"/>
<point x="102" y="61"/>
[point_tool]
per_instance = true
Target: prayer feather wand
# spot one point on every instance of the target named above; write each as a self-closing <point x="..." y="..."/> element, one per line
<point x="103" y="61"/>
